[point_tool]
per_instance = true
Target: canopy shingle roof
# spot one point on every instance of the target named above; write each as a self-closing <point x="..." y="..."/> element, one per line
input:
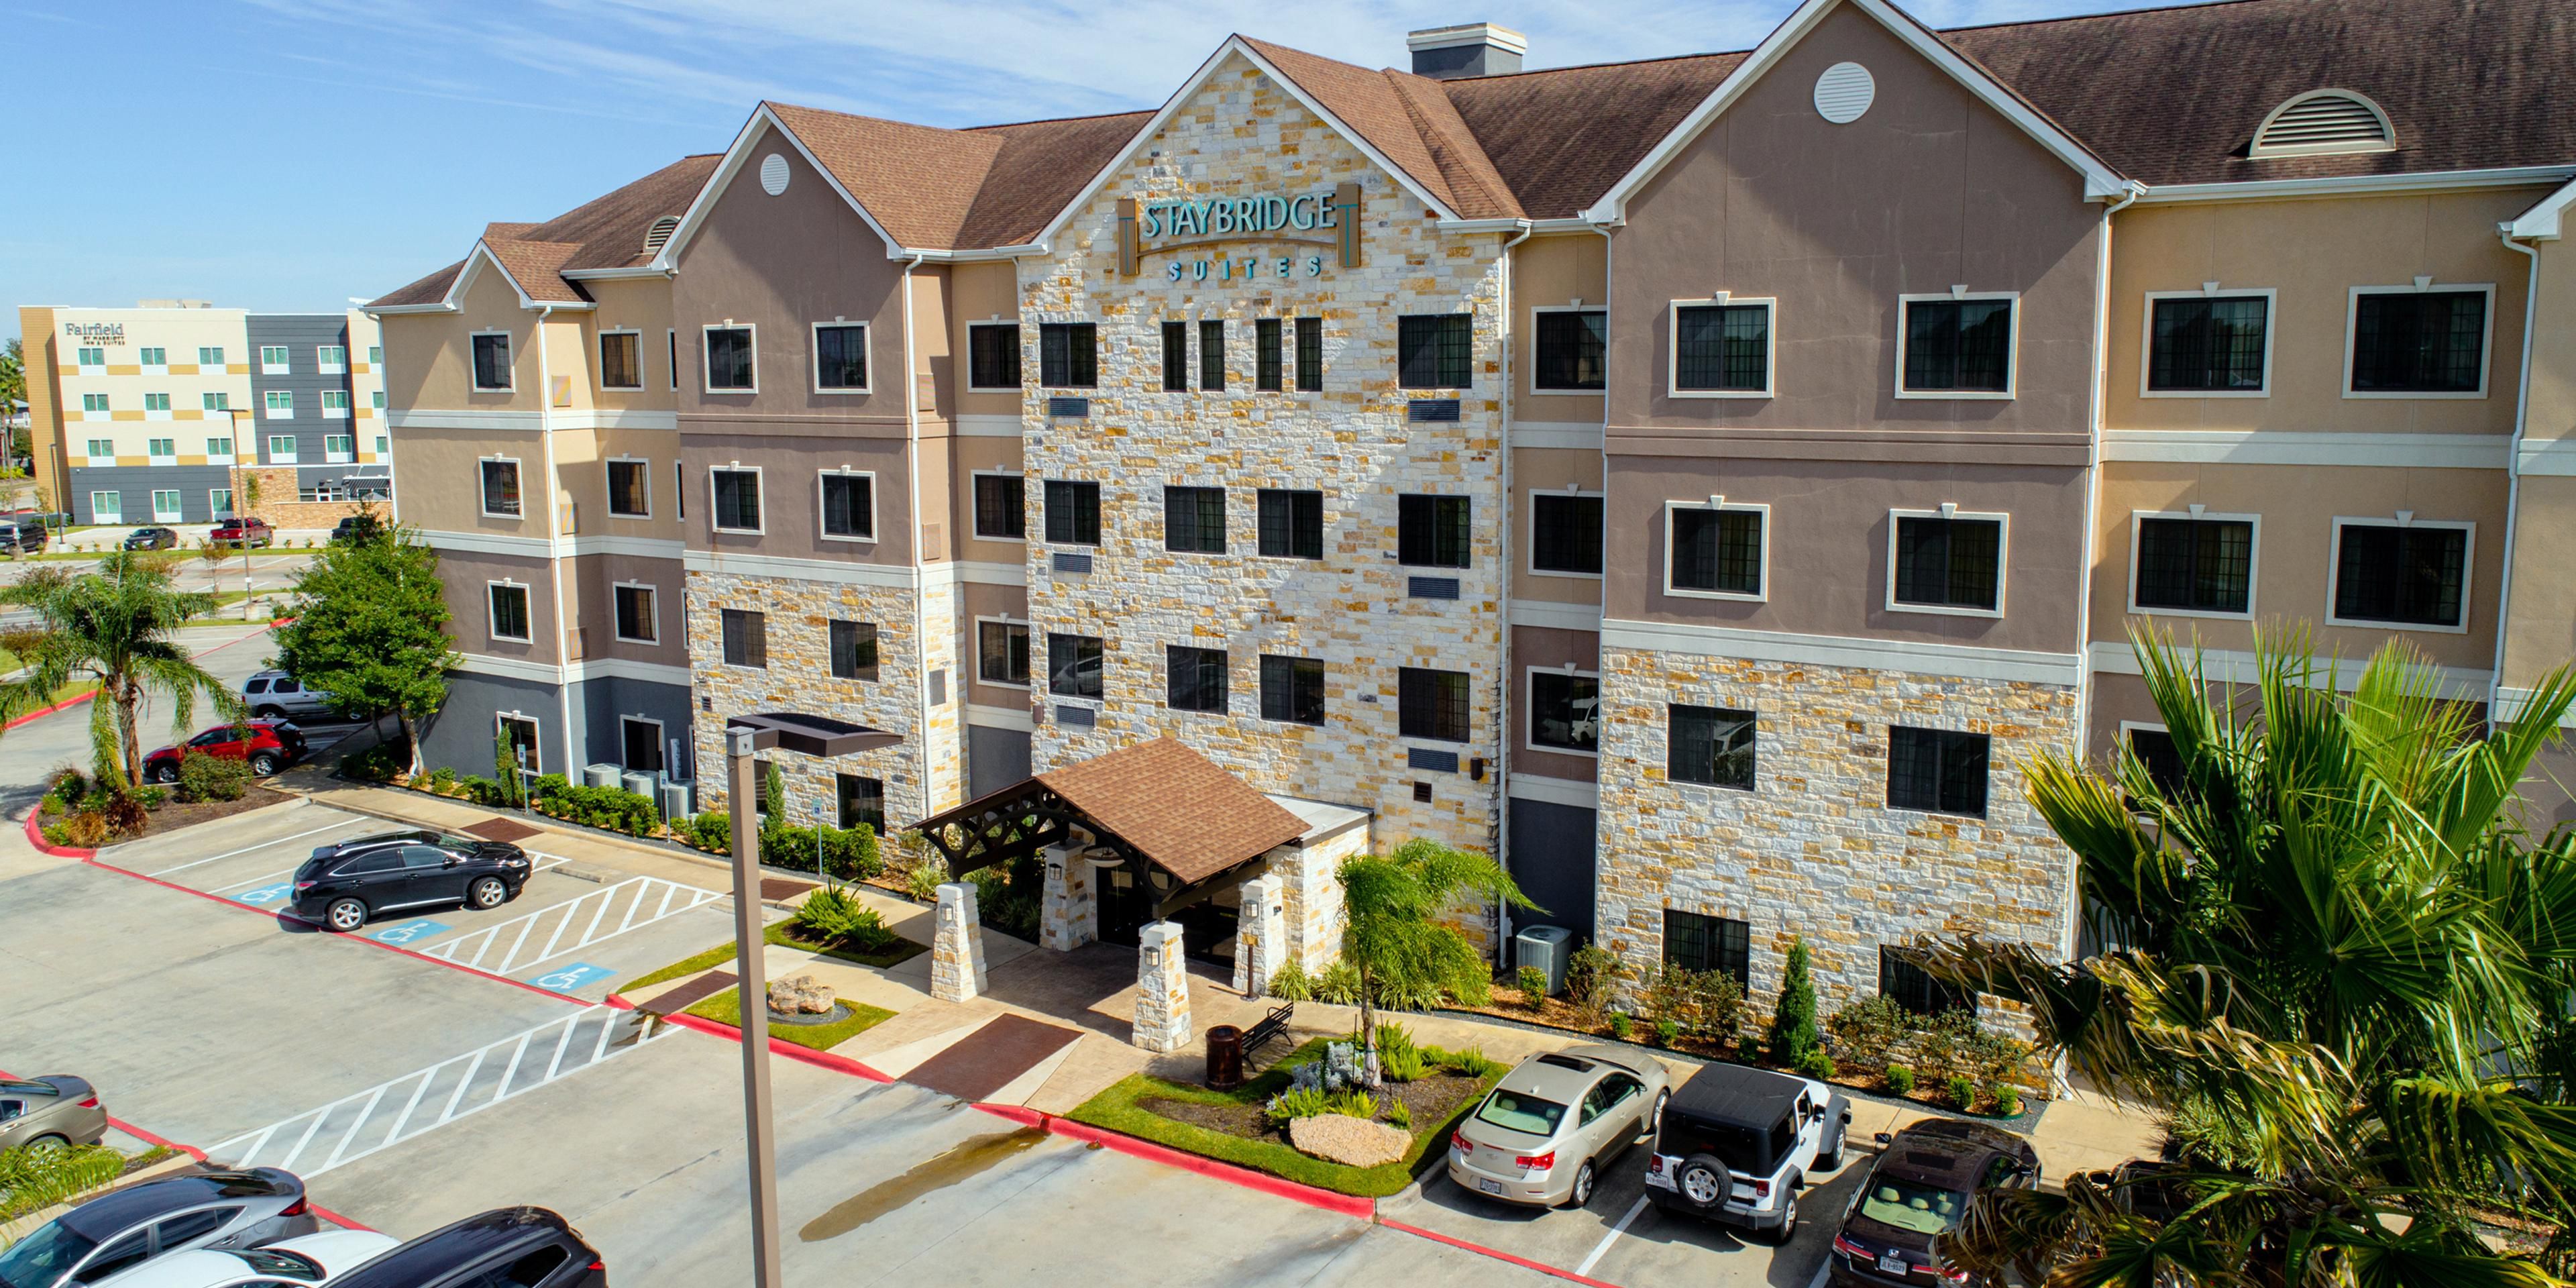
<point x="1180" y="810"/>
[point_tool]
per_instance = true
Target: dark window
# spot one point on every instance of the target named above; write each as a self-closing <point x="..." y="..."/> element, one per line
<point x="1722" y="348"/>
<point x="1292" y="524"/>
<point x="737" y="499"/>
<point x="1431" y="704"/>
<point x="2419" y="342"/>
<point x="761" y="799"/>
<point x="1572" y="349"/>
<point x="1292" y="689"/>
<point x="1074" y="666"/>
<point x="1717" y="550"/>
<point x="189" y="1226"/>
<point x="862" y="801"/>
<point x="1002" y="652"/>
<point x="1176" y="356"/>
<point x="1565" y="531"/>
<point x="1937" y="771"/>
<point x="2207" y="344"/>
<point x="854" y="650"/>
<point x="849" y="506"/>
<point x="2411" y="575"/>
<point x="1212" y="353"/>
<point x="510" y="612"/>
<point x="1695" y="942"/>
<point x="629" y="491"/>
<point x="1194" y="520"/>
<point x="672" y="339"/>
<point x="1431" y="531"/>
<point x="1001" y="506"/>
<point x="1565" y="711"/>
<point x="1958" y="345"/>
<point x="621" y="364"/>
<point x="993" y="356"/>
<point x="1266" y="365"/>
<point x="1913" y="988"/>
<point x="680" y="489"/>
<point x="1949" y="563"/>
<point x="1072" y="513"/>
<point x="746" y="638"/>
<point x="635" y="617"/>
<point x="1712" y="746"/>
<point x="2197" y="565"/>
<point x="491" y="362"/>
<point x="500" y="487"/>
<point x="1310" y="355"/>
<point x="1068" y="355"/>
<point x="729" y="357"/>
<point x="521" y="734"/>
<point x="1197" y="678"/>
<point x="841" y="357"/>
<point x="1435" y="352"/>
<point x="2154" y="748"/>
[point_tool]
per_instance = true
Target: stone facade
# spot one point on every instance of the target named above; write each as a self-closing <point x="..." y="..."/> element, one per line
<point x="1260" y="935"/>
<point x="1071" y="915"/>
<point x="1312" y="895"/>
<point x="1162" y="988"/>
<point x="957" y="945"/>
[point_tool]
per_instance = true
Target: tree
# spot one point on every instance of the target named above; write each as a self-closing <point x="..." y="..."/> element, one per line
<point x="1393" y="934"/>
<point x="2342" y="972"/>
<point x="1796" y="1042"/>
<point x="367" y="630"/>
<point x="117" y="625"/>
<point x="13" y="377"/>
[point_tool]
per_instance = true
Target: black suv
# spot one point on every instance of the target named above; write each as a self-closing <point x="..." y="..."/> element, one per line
<point x="1920" y="1188"/>
<point x="343" y="885"/>
<point x="524" y="1247"/>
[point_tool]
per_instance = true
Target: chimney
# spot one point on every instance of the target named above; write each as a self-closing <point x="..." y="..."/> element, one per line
<point x="1468" y="49"/>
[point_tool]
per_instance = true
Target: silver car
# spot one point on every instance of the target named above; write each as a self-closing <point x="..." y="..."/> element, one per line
<point x="1544" y="1132"/>
<point x="273" y="695"/>
<point x="44" y="1113"/>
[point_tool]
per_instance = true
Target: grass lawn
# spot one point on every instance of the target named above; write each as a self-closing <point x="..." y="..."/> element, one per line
<point x="708" y="960"/>
<point x="1117" y="1109"/>
<point x="726" y="1008"/>
<point x="782" y="933"/>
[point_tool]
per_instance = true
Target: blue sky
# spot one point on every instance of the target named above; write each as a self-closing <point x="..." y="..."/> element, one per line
<point x="289" y="154"/>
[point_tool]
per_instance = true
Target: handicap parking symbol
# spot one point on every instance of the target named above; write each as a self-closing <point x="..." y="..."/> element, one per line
<point x="266" y="894"/>
<point x="410" y="932"/>
<point x="565" y="979"/>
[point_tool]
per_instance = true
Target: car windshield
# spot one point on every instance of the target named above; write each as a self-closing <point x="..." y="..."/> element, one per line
<point x="279" y="1261"/>
<point x="1924" y="1209"/>
<point x="1515" y="1111"/>
<point x="43" y="1257"/>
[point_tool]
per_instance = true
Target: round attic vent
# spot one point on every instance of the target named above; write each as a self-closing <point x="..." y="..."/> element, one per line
<point x="1844" y="92"/>
<point x="773" y="173"/>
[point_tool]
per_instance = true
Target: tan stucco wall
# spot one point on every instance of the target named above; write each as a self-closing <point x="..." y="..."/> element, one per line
<point x="2543" y="631"/>
<point x="440" y="477"/>
<point x="643" y="306"/>
<point x="1550" y="469"/>
<point x="980" y="293"/>
<point x="967" y="456"/>
<point x="1549" y="272"/>
<point x="468" y="578"/>
<point x="791" y="494"/>
<point x="429" y="360"/>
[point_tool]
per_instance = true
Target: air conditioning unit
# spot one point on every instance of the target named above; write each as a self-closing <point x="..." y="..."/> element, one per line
<point x="601" y="775"/>
<point x="639" y="782"/>
<point x="1548" y="948"/>
<point x="675" y="800"/>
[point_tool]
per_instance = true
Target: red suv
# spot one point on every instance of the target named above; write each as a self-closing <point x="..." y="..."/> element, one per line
<point x="242" y="532"/>
<point x="269" y="746"/>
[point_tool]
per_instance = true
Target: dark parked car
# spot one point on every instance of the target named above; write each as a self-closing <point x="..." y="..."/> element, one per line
<point x="22" y="534"/>
<point x="50" y="1112"/>
<point x="343" y="885"/>
<point x="151" y="539"/>
<point x="1918" y="1191"/>
<point x="525" y="1247"/>
<point x="356" y="527"/>
<point x="269" y="746"/>
<point x="1737" y="1144"/>
<point x="126" y="1227"/>
<point x="242" y="532"/>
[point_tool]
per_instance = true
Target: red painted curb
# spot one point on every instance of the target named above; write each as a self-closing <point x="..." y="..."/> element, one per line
<point x="36" y="837"/>
<point x="1281" y="1187"/>
<point x="64" y="705"/>
<point x="335" y="1218"/>
<point x="777" y="1046"/>
<point x="1499" y="1255"/>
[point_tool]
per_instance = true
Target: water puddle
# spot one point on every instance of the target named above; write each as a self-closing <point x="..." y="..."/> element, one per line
<point x="966" y="1158"/>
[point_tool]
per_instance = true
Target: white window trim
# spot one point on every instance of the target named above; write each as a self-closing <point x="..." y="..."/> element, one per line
<point x="1531" y="514"/>
<point x="1719" y="504"/>
<point x="1673" y="348"/>
<point x="178" y="505"/>
<point x="1006" y="619"/>
<point x="973" y="513"/>
<point x="2271" y="297"/>
<point x="814" y="352"/>
<point x="610" y="504"/>
<point x="2253" y="567"/>
<point x="661" y="738"/>
<point x="268" y="368"/>
<point x="339" y="456"/>
<point x="536" y="735"/>
<point x="217" y="361"/>
<point x="214" y="511"/>
<point x="656" y="623"/>
<point x="972" y="388"/>
<point x="713" y="510"/>
<point x="2003" y="559"/>
<point x="2420" y="286"/>
<point x="2012" y="348"/>
<point x="170" y="457"/>
<point x="151" y="412"/>
<point x="143" y="367"/>
<point x="473" y="376"/>
<point x="480" y="492"/>
<point x="490" y="618"/>
<point x="706" y="359"/>
<point x="96" y="517"/>
<point x="819" y="532"/>
<point x="269" y="410"/>
<point x="330" y="412"/>
<point x="287" y="457"/>
<point x="600" y="355"/>
<point x="1289" y="342"/>
<point x="325" y="366"/>
<point x="2402" y="519"/>
<point x="224" y="457"/>
<point x="1529" y="709"/>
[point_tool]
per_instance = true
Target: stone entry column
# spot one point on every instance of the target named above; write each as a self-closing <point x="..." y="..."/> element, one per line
<point x="1162" y="988"/>
<point x="1071" y="916"/>
<point x="1260" y="935"/>
<point x="957" y="945"/>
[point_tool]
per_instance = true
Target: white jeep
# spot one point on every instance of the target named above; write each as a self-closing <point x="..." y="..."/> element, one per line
<point x="1737" y="1144"/>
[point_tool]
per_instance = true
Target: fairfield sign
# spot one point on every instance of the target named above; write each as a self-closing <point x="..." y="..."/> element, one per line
<point x="1180" y="227"/>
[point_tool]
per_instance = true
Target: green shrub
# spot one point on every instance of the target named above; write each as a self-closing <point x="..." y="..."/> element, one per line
<point x="1667" y="1031"/>
<point x="1620" y="1025"/>
<point x="836" y="916"/>
<point x="484" y="791"/>
<point x="545" y="785"/>
<point x="1533" y="986"/>
<point x="1900" y="1078"/>
<point x="1301" y="1102"/>
<point x="926" y="877"/>
<point x="1593" y="976"/>
<point x="1339" y="985"/>
<point x="1868" y="1032"/>
<point x="212" y="778"/>
<point x="713" y="831"/>
<point x="1291" y="983"/>
<point x="2007" y="1099"/>
<point x="1470" y="1063"/>
<point x="1398" y="1059"/>
<point x="38" y="1178"/>
<point x="1814" y="1063"/>
<point x="613" y="808"/>
<point x="1793" y="1021"/>
<point x="443" y="777"/>
<point x="1963" y="1093"/>
<point x="377" y="764"/>
<point x="1400" y="1116"/>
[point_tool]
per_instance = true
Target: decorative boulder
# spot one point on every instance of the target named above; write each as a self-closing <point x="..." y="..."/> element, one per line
<point x="800" y="995"/>
<point x="1353" y="1142"/>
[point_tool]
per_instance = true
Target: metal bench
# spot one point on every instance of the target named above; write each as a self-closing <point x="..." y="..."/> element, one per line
<point x="1272" y="1026"/>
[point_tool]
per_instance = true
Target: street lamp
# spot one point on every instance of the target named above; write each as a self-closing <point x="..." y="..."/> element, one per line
<point x="745" y="738"/>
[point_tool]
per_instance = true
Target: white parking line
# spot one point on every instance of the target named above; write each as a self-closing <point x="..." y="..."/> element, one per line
<point x="1612" y="1237"/>
<point x="261" y="846"/>
<point x="476" y="949"/>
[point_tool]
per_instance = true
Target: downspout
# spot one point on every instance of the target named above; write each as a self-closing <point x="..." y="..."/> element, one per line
<point x="1503" y="694"/>
<point x="920" y="557"/>
<point x="554" y="546"/>
<point x="2513" y="463"/>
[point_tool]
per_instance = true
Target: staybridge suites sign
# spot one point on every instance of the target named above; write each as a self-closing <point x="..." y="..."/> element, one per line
<point x="1180" y="227"/>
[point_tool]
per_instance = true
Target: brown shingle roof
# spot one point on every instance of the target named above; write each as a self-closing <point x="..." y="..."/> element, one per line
<point x="428" y="290"/>
<point x="1560" y="138"/>
<point x="1179" y="809"/>
<point x="604" y="232"/>
<point x="1041" y="166"/>
<point x="936" y="189"/>
<point x="1401" y="121"/>
<point x="537" y="266"/>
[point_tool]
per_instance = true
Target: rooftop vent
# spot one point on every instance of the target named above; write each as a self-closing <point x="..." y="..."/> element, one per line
<point x="659" y="235"/>
<point x="1466" y="50"/>
<point x="2324" y="123"/>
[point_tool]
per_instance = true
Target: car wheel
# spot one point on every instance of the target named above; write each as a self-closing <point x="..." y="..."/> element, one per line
<point x="48" y="1144"/>
<point x="1703" y="1180"/>
<point x="1788" y="1222"/>
<point x="270" y="713"/>
<point x="1830" y="1158"/>
<point x="345" y="915"/>
<point x="487" y="893"/>
<point x="264" y="764"/>
<point x="1581" y="1194"/>
<point x="165" y="772"/>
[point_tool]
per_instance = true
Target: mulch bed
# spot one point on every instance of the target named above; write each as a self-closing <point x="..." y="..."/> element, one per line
<point x="175" y="814"/>
<point x="1432" y="1099"/>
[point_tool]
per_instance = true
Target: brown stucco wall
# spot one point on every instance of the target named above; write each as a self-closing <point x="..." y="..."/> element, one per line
<point x="1550" y="469"/>
<point x="791" y="494"/>
<point x="1543" y="648"/>
<point x="1549" y="272"/>
<point x="981" y="600"/>
<point x="467" y="576"/>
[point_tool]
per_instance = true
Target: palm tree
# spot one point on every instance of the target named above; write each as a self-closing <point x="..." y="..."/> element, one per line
<point x="117" y="625"/>
<point x="2342" y="971"/>
<point x="1393" y="935"/>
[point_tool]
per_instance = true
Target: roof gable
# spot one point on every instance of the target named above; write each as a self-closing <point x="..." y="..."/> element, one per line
<point x="1182" y="811"/>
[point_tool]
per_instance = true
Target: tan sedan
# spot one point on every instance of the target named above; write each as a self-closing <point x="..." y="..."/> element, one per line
<point x="49" y="1112"/>
<point x="1544" y="1132"/>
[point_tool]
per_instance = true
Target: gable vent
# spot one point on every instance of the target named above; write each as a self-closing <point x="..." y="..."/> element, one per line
<point x="659" y="235"/>
<point x="1844" y="92"/>
<point x="2323" y="123"/>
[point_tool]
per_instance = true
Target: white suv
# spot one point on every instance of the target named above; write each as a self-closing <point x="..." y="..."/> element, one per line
<point x="1737" y="1144"/>
<point x="275" y="694"/>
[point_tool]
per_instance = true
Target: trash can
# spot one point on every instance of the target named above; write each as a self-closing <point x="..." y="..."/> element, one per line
<point x="1225" y="1058"/>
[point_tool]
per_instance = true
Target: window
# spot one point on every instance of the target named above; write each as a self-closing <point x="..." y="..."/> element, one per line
<point x="1176" y="356"/>
<point x="1292" y="523"/>
<point x="671" y="338"/>
<point x="107" y="507"/>
<point x="637" y="623"/>
<point x="1072" y="513"/>
<point x="94" y="404"/>
<point x="850" y="506"/>
<point x="1431" y="531"/>
<point x="376" y="398"/>
<point x="729" y="361"/>
<point x="1068" y="355"/>
<point x="152" y="357"/>
<point x="2193" y="565"/>
<point x="2419" y="342"/>
<point x="1721" y="349"/>
<point x="492" y="361"/>
<point x="273" y="360"/>
<point x="630" y="490"/>
<point x="1431" y="704"/>
<point x="1716" y="550"/>
<point x="1212" y="353"/>
<point x="219" y="447"/>
<point x="1564" y="711"/>
<point x="280" y="404"/>
<point x="1002" y="652"/>
<point x="841" y="357"/>
<point x="509" y="611"/>
<point x="1196" y="680"/>
<point x="2209" y="344"/>
<point x="375" y="355"/>
<point x="93" y="357"/>
<point x="680" y="489"/>
<point x="1957" y="346"/>
<point x="1194" y="520"/>
<point x="384" y="445"/>
<point x="862" y="801"/>
<point x="1292" y="689"/>
<point x="211" y="355"/>
<point x="746" y="638"/>
<point x="1947" y="564"/>
<point x="1711" y="746"/>
<point x="1937" y="771"/>
<point x="335" y="404"/>
<point x="1698" y="943"/>
<point x="1565" y="533"/>
<point x="993" y="356"/>
<point x="162" y="447"/>
<point x="1266" y="364"/>
<point x="621" y="360"/>
<point x="219" y="502"/>
<point x="102" y="449"/>
<point x="332" y="358"/>
<point x="1001" y="507"/>
<point x="2154" y="748"/>
<point x="640" y="744"/>
<point x="281" y="449"/>
<point x="2406" y="573"/>
<point x="854" y="650"/>
<point x="500" y="487"/>
<point x="1572" y="350"/>
<point x="165" y="505"/>
<point x="161" y="402"/>
<point x="339" y="449"/>
<point x="737" y="499"/>
<point x="1073" y="666"/>
<point x="1310" y="355"/>
<point x="212" y="401"/>
<point x="1435" y="352"/>
<point x="1910" y="986"/>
